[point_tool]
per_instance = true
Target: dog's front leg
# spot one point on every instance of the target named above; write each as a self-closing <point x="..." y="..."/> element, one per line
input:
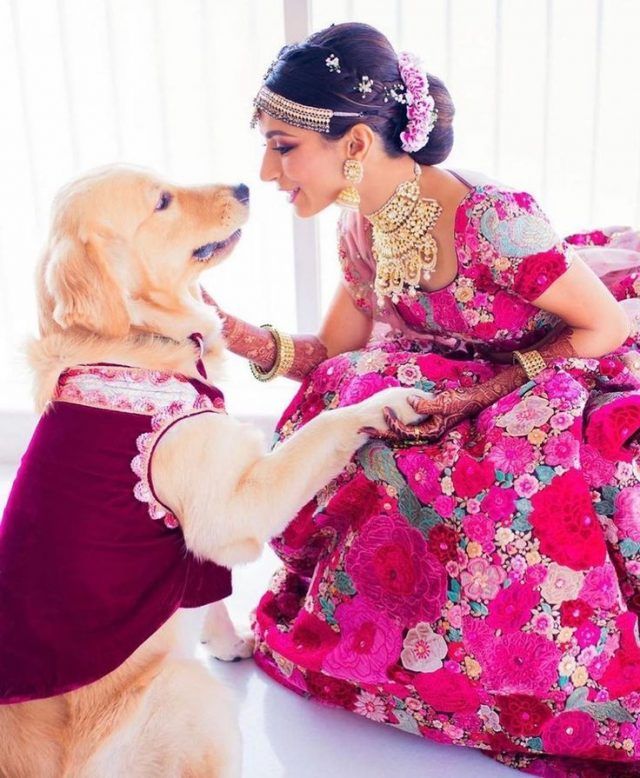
<point x="230" y="497"/>
<point x="220" y="637"/>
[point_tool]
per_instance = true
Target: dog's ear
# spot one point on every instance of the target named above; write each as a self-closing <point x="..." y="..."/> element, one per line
<point x="84" y="288"/>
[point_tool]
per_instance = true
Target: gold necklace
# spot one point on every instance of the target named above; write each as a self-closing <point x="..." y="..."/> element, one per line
<point x="404" y="249"/>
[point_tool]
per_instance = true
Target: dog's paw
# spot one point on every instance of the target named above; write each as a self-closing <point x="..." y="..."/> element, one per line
<point x="396" y="398"/>
<point x="231" y="647"/>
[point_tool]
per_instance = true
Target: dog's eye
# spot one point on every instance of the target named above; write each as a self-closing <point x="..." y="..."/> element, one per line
<point x="164" y="201"/>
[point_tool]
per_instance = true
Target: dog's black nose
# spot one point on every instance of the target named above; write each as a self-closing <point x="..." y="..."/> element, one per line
<point x="241" y="193"/>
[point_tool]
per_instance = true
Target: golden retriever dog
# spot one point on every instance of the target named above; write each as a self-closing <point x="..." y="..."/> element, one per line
<point x="101" y="550"/>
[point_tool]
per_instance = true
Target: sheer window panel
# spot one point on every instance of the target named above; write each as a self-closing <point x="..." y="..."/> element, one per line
<point x="615" y="191"/>
<point x="156" y="83"/>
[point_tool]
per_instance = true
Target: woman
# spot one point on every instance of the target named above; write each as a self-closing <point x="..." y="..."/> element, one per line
<point x="478" y="584"/>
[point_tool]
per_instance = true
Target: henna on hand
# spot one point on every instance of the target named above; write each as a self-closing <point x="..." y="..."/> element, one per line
<point x="310" y="351"/>
<point x="452" y="406"/>
<point x="246" y="340"/>
<point x="259" y="346"/>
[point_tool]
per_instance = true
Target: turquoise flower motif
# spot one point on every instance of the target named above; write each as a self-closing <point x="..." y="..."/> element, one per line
<point x="518" y="237"/>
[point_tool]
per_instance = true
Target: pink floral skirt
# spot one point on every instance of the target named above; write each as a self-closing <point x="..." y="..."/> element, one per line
<point x="481" y="591"/>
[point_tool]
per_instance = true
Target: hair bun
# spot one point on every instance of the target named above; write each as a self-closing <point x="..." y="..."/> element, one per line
<point x="352" y="67"/>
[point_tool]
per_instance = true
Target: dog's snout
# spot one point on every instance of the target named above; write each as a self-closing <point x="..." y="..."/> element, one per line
<point x="241" y="193"/>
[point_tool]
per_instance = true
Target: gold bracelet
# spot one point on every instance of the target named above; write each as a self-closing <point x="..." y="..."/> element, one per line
<point x="267" y="375"/>
<point x="287" y="353"/>
<point x="532" y="362"/>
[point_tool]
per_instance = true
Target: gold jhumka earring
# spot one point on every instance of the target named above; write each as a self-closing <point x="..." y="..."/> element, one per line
<point x="349" y="197"/>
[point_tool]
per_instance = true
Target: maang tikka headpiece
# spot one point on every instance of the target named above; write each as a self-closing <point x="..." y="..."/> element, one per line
<point x="298" y="115"/>
<point x="412" y="91"/>
<point x="306" y="117"/>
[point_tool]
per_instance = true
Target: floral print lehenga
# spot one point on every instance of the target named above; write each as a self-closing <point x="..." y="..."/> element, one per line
<point x="482" y="590"/>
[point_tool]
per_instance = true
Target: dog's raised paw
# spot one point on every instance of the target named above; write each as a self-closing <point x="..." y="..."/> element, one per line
<point x="230" y="648"/>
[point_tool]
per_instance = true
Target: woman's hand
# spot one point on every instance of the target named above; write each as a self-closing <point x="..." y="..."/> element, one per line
<point x="258" y="345"/>
<point x="442" y="411"/>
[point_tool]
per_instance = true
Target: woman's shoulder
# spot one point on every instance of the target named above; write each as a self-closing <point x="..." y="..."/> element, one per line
<point x="510" y="219"/>
<point x="505" y="229"/>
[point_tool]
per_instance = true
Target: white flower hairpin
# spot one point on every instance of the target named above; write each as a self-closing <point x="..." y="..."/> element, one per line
<point x="333" y="63"/>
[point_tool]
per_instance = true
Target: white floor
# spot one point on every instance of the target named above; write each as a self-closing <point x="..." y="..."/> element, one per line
<point x="286" y="736"/>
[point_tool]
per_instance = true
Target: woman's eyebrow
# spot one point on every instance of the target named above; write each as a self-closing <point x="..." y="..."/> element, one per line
<point x="273" y="133"/>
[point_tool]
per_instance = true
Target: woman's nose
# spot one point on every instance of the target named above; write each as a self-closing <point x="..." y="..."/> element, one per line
<point x="268" y="170"/>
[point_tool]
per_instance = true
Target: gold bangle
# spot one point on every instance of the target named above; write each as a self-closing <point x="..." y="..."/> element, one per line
<point x="287" y="353"/>
<point x="531" y="362"/>
<point x="267" y="375"/>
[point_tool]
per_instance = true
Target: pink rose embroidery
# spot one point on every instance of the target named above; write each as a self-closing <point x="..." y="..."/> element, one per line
<point x="421" y="474"/>
<point x="512" y="607"/>
<point x="369" y="643"/>
<point x="470" y="476"/>
<point x="538" y="271"/>
<point x="564" y="520"/>
<point x="308" y="642"/>
<point x="512" y="455"/>
<point x="479" y="528"/>
<point x="601" y="588"/>
<point x="627" y="512"/>
<point x="392" y="567"/>
<point x="447" y="691"/>
<point x="329" y="374"/>
<point x="499" y="503"/>
<point x="562" y="450"/>
<point x="571" y="733"/>
<point x="509" y="660"/>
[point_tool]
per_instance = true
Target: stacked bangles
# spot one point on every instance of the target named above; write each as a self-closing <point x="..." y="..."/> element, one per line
<point x="285" y="353"/>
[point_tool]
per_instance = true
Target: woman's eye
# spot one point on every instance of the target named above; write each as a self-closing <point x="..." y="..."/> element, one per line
<point x="283" y="149"/>
<point x="164" y="201"/>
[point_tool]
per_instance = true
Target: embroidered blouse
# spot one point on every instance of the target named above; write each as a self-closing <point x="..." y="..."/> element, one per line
<point x="91" y="562"/>
<point x="508" y="255"/>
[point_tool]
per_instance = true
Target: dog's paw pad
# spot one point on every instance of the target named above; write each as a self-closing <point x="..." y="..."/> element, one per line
<point x="231" y="650"/>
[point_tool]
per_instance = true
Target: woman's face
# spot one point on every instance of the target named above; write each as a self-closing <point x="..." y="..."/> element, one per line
<point x="303" y="163"/>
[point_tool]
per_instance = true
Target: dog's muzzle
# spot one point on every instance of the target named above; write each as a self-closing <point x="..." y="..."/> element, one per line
<point x="206" y="252"/>
<point x="241" y="193"/>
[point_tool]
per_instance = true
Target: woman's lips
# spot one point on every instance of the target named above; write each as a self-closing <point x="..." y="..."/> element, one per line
<point x="293" y="193"/>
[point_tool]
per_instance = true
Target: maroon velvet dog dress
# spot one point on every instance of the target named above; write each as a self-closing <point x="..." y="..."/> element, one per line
<point x="91" y="563"/>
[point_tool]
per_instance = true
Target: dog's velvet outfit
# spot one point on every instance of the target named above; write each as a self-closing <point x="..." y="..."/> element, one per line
<point x="91" y="562"/>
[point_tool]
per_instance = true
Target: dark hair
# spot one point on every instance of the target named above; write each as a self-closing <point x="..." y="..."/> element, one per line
<point x="301" y="74"/>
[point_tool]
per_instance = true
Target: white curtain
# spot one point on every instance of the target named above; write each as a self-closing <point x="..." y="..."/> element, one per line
<point x="165" y="84"/>
<point x="546" y="92"/>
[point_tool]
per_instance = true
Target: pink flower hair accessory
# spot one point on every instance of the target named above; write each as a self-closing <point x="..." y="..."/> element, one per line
<point x="421" y="111"/>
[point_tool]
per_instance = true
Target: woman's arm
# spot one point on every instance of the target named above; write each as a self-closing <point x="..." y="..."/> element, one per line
<point x="344" y="328"/>
<point x="578" y="297"/>
<point x="596" y="325"/>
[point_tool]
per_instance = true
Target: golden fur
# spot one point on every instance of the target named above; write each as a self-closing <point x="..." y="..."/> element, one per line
<point x="118" y="283"/>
